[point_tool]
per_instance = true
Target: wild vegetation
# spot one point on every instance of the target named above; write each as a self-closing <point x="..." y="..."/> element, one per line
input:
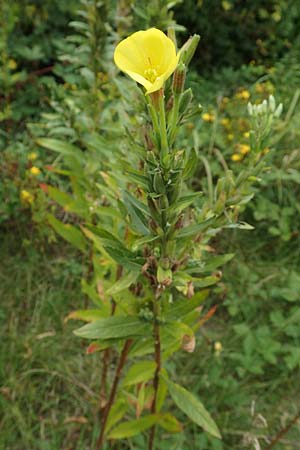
<point x="104" y="210"/>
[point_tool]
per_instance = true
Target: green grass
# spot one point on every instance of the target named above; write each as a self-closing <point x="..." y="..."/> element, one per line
<point x="46" y="378"/>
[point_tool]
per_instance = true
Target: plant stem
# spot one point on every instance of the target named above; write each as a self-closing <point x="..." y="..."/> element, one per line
<point x="163" y="126"/>
<point x="157" y="355"/>
<point x="113" y="392"/>
<point x="174" y="118"/>
<point x="282" y="432"/>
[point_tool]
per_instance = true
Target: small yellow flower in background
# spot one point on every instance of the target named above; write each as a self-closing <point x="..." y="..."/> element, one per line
<point x="246" y="134"/>
<point x="149" y="57"/>
<point x="35" y="171"/>
<point x="236" y="157"/>
<point x="243" y="95"/>
<point x="225" y="122"/>
<point x="32" y="156"/>
<point x="207" y="117"/>
<point x="26" y="197"/>
<point x="12" y="65"/>
<point x="243" y="148"/>
<point x="218" y="347"/>
<point x="230" y="136"/>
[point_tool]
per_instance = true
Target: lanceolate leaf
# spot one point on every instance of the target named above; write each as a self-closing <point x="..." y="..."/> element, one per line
<point x="116" y="413"/>
<point x="139" y="372"/>
<point x="68" y="232"/>
<point x="88" y="315"/>
<point x="133" y="427"/>
<point x="193" y="408"/>
<point x="123" y="283"/>
<point x="114" y="327"/>
<point x="61" y="147"/>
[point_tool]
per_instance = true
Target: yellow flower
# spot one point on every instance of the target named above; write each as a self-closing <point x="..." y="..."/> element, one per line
<point x="32" y="156"/>
<point x="244" y="148"/>
<point x="208" y="117"/>
<point x="236" y="157"/>
<point x="12" y="65"/>
<point x="149" y="57"/>
<point x="225" y="122"/>
<point x="26" y="197"/>
<point x="246" y="134"/>
<point x="35" y="171"/>
<point x="243" y="95"/>
<point x="218" y="346"/>
<point x="230" y="137"/>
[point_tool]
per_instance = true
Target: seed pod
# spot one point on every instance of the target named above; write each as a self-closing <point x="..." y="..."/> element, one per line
<point x="179" y="79"/>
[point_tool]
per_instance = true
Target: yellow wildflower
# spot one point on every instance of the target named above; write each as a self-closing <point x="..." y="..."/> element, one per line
<point x="230" y="137"/>
<point x="26" y="197"/>
<point x="32" y="156"/>
<point x="246" y="134"/>
<point x="12" y="65"/>
<point x="225" y="122"/>
<point x="149" y="57"/>
<point x="236" y="157"/>
<point x="207" y="117"/>
<point x="218" y="346"/>
<point x="243" y="95"/>
<point x="244" y="148"/>
<point x="35" y="171"/>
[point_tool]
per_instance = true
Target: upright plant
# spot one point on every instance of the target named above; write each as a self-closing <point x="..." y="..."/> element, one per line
<point x="150" y="232"/>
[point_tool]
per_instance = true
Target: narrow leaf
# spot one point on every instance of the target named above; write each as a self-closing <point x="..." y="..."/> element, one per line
<point x="114" y="327"/>
<point x="139" y="373"/>
<point x="193" y="408"/>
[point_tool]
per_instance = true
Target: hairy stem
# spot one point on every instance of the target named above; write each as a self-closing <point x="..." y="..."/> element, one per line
<point x="113" y="392"/>
<point x="157" y="355"/>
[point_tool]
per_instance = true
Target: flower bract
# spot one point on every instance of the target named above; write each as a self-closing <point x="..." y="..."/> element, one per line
<point x="149" y="57"/>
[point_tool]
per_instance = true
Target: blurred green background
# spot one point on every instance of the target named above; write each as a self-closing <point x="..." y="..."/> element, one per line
<point x="57" y="79"/>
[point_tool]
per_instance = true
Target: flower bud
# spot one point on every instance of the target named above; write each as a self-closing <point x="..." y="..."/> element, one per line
<point x="278" y="111"/>
<point x="188" y="49"/>
<point x="185" y="100"/>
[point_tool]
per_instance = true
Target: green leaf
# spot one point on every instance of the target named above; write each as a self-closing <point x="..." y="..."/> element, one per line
<point x="139" y="373"/>
<point x="115" y="327"/>
<point x="66" y="201"/>
<point x="184" y="202"/>
<point x="116" y="413"/>
<point x="68" y="232"/>
<point x="217" y="261"/>
<point x="182" y="307"/>
<point x="123" y="283"/>
<point x="193" y="408"/>
<point x="170" y="423"/>
<point x="61" y="147"/>
<point x="88" y="315"/>
<point x="193" y="230"/>
<point x="137" y="214"/>
<point x="133" y="427"/>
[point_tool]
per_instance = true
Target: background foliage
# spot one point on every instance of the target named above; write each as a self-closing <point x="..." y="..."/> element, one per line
<point x="56" y="81"/>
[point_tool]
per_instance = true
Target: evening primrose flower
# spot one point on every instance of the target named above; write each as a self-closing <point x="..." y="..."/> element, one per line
<point x="149" y="57"/>
<point x="244" y="148"/>
<point x="35" y="171"/>
<point x="26" y="197"/>
<point x="12" y="65"/>
<point x="236" y="157"/>
<point x="207" y="117"/>
<point x="243" y="95"/>
<point x="32" y="156"/>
